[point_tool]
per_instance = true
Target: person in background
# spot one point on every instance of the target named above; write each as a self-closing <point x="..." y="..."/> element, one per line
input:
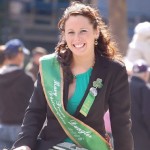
<point x="75" y="87"/>
<point x="139" y="47"/>
<point x="140" y="105"/>
<point x="108" y="126"/>
<point x="16" y="88"/>
<point x="33" y="66"/>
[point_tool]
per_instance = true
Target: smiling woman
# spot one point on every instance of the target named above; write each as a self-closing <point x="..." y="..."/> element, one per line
<point x="74" y="110"/>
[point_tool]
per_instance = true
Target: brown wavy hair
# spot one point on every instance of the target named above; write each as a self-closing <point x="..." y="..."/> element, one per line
<point x="106" y="47"/>
<point x="2" y="55"/>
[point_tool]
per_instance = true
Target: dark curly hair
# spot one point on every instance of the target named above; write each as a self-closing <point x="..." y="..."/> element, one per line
<point x="106" y="47"/>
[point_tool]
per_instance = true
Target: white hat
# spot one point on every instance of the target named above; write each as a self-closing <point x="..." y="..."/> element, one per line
<point x="143" y="29"/>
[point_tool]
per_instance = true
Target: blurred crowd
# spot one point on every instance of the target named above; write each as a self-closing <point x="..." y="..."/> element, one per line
<point x="16" y="86"/>
<point x="137" y="61"/>
<point x="17" y="83"/>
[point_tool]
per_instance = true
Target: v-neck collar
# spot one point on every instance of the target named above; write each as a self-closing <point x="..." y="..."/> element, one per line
<point x="99" y="71"/>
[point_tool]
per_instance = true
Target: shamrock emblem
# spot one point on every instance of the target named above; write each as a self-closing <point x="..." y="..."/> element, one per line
<point x="96" y="84"/>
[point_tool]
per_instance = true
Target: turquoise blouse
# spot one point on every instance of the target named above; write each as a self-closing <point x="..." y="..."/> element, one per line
<point x="82" y="81"/>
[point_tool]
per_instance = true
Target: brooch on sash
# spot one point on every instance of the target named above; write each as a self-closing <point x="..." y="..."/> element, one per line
<point x="91" y="97"/>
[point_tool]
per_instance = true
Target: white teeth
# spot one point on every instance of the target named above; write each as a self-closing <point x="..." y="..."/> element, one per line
<point x="79" y="45"/>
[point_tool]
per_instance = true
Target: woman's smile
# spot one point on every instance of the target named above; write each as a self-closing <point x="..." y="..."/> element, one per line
<point x="78" y="45"/>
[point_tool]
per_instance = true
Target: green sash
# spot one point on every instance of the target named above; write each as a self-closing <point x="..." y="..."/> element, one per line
<point x="52" y="82"/>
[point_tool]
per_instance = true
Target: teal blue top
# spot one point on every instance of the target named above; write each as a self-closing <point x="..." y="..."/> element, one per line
<point x="82" y="81"/>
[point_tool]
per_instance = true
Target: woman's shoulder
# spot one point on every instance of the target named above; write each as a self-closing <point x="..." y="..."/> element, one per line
<point x="48" y="57"/>
<point x="118" y="63"/>
<point x="113" y="63"/>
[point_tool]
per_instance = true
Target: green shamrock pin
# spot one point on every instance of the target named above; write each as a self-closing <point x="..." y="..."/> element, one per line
<point x="98" y="83"/>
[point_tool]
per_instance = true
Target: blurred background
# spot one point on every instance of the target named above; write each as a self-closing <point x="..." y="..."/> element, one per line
<point x="35" y="21"/>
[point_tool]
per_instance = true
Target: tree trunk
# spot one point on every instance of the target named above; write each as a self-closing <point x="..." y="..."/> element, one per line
<point x="94" y="2"/>
<point x="118" y="23"/>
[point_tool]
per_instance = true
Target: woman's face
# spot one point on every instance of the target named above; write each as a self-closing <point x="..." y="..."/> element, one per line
<point x="80" y="35"/>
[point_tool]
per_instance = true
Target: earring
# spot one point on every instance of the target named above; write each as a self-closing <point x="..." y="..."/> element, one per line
<point x="66" y="46"/>
<point x="95" y="42"/>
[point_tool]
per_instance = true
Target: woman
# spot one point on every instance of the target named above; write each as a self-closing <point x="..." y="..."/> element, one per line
<point x="76" y="86"/>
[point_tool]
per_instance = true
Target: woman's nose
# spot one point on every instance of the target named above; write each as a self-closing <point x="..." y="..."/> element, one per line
<point x="77" y="37"/>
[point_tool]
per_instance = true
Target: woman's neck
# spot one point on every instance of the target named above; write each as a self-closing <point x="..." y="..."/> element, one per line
<point x="82" y="64"/>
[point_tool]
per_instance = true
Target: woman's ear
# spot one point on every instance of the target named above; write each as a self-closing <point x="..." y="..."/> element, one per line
<point x="97" y="32"/>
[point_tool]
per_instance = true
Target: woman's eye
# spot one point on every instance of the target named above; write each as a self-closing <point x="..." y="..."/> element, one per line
<point x="82" y="31"/>
<point x="71" y="32"/>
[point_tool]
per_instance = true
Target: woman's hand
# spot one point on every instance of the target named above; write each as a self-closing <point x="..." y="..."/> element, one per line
<point x="22" y="148"/>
